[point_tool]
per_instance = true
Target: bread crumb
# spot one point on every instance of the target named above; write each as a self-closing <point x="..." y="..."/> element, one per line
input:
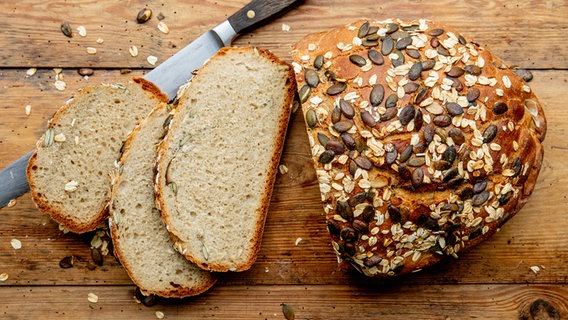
<point x="11" y="203"/>
<point x="100" y="40"/>
<point x="30" y="72"/>
<point x="93" y="298"/>
<point x="3" y="277"/>
<point x="82" y="31"/>
<point x="152" y="60"/>
<point x="535" y="269"/>
<point x="71" y="186"/>
<point x="283" y="169"/>
<point x="91" y="50"/>
<point x="285" y="27"/>
<point x="16" y="244"/>
<point x="298" y="240"/>
<point x="160" y="315"/>
<point x="266" y="269"/>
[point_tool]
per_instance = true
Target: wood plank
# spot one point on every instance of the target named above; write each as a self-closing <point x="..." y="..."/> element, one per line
<point x="531" y="238"/>
<point x="524" y="33"/>
<point x="485" y="301"/>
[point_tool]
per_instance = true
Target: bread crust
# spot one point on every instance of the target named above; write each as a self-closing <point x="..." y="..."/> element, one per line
<point x="431" y="201"/>
<point x="160" y="181"/>
<point x="176" y="290"/>
<point x="57" y="215"/>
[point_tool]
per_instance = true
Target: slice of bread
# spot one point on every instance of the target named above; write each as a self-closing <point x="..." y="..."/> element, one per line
<point x="217" y="165"/>
<point x="69" y="172"/>
<point x="141" y="241"/>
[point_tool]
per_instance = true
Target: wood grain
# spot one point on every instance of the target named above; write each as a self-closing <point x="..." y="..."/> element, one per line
<point x="492" y="281"/>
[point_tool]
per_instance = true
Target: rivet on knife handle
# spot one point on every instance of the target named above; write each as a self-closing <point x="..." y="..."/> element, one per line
<point x="257" y="11"/>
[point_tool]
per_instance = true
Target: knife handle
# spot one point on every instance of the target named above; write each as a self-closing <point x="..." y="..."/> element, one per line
<point x="13" y="182"/>
<point x="258" y="11"/>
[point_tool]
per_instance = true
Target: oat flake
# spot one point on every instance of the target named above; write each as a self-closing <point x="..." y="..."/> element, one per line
<point x="11" y="203"/>
<point x="60" y="85"/>
<point x="163" y="27"/>
<point x="16" y="244"/>
<point x="93" y="298"/>
<point x="160" y="315"/>
<point x="298" y="240"/>
<point x="152" y="60"/>
<point x="283" y="169"/>
<point x="82" y="31"/>
<point x="100" y="40"/>
<point x="30" y="72"/>
<point x="133" y="51"/>
<point x="91" y="50"/>
<point x="28" y="109"/>
<point x="3" y="277"/>
<point x="285" y="27"/>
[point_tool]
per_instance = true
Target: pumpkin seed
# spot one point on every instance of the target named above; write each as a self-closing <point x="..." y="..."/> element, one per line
<point x="407" y="114"/>
<point x="472" y="94"/>
<point x="454" y="109"/>
<point x="388" y="46"/>
<point x="311" y="118"/>
<point x="392" y="99"/>
<point x="443" y="51"/>
<point x="450" y="154"/>
<point x="372" y="37"/>
<point x="396" y="62"/>
<point x="442" y="120"/>
<point x="406" y="153"/>
<point x="436" y="32"/>
<point x="304" y="93"/>
<point x="389" y="114"/>
<point x="449" y="175"/>
<point x="368" y="214"/>
<point x="462" y="40"/>
<point x="403" y="43"/>
<point x="489" y="133"/>
<point x="404" y="172"/>
<point x="336" y="146"/>
<point x="66" y="29"/>
<point x="391" y="156"/>
<point x="372" y="30"/>
<point x="336" y="88"/>
<point x="368" y="119"/>
<point x="348" y="234"/>
<point x="360" y="226"/>
<point x="375" y="57"/>
<point x="504" y="198"/>
<point x="311" y="77"/>
<point x="391" y="27"/>
<point x="144" y="15"/>
<point x="457" y="136"/>
<point x="500" y="107"/>
<point x="416" y="161"/>
<point x="428" y="64"/>
<point x="415" y="71"/>
<point x="428" y="134"/>
<point x="352" y="168"/>
<point x="524" y="74"/>
<point x="288" y="312"/>
<point x="344" y="210"/>
<point x="417" y="177"/>
<point x="363" y="30"/>
<point x="410" y="87"/>
<point x="357" y="198"/>
<point x="377" y="95"/>
<point x="413" y="53"/>
<point x="348" y="141"/>
<point x="480" y="186"/>
<point x="480" y="198"/>
<point x="333" y="227"/>
<point x="372" y="261"/>
<point x="318" y="62"/>
<point x="326" y="157"/>
<point x="455" y="72"/>
<point x="517" y="166"/>
<point x="335" y="115"/>
<point x="363" y="163"/>
<point x="342" y="126"/>
<point x="322" y="138"/>
<point x="357" y="60"/>
<point x="472" y="69"/>
<point x="369" y="43"/>
<point x="442" y="165"/>
<point x="346" y="109"/>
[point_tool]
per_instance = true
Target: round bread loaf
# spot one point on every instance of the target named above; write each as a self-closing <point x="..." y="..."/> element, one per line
<point x="424" y="142"/>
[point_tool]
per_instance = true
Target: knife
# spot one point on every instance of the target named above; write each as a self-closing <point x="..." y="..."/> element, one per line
<point x="169" y="75"/>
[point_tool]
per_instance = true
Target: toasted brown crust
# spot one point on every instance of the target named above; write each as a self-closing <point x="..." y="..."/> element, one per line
<point x="60" y="217"/>
<point x="271" y="175"/>
<point x="177" y="290"/>
<point x="441" y="197"/>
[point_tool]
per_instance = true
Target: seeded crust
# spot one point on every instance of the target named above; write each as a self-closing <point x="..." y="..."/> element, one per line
<point x="463" y="175"/>
<point x="83" y="141"/>
<point x="217" y="165"/>
<point x="141" y="241"/>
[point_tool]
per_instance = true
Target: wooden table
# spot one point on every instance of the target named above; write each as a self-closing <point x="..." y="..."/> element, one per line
<point x="492" y="281"/>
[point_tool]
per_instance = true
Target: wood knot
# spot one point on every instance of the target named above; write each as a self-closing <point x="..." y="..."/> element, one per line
<point x="540" y="310"/>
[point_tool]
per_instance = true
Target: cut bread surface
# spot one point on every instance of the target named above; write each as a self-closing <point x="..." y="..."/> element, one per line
<point x="69" y="172"/>
<point x="141" y="241"/>
<point x="217" y="165"/>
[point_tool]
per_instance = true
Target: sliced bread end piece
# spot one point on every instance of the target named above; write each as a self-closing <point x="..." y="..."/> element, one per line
<point x="69" y="172"/>
<point x="141" y="241"/>
<point x="217" y="165"/>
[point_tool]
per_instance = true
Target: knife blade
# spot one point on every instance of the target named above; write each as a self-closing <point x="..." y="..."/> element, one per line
<point x="170" y="74"/>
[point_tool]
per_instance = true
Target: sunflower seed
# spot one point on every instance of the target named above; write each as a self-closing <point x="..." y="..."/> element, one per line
<point x="357" y="60"/>
<point x="389" y="114"/>
<point x="336" y="146"/>
<point x="368" y="118"/>
<point x="377" y="95"/>
<point x="443" y="51"/>
<point x="391" y="101"/>
<point x="454" y="109"/>
<point x="288" y="312"/>
<point x="428" y="65"/>
<point x="322" y="138"/>
<point x="144" y="15"/>
<point x="403" y="43"/>
<point x="372" y="261"/>
<point x="342" y="126"/>
<point x="363" y="163"/>
<point x="391" y="156"/>
<point x="413" y="53"/>
<point x="442" y="165"/>
<point x="311" y="77"/>
<point x="472" y="69"/>
<point x="326" y="157"/>
<point x="455" y="72"/>
<point x="361" y="226"/>
<point x="353" y="168"/>
<point x="410" y="87"/>
<point x="436" y="32"/>
<point x="517" y="166"/>
<point x="489" y="133"/>
<point x="304" y="93"/>
<point x="480" y="186"/>
<point x="388" y="46"/>
<point x="417" y="177"/>
<point x="344" y="210"/>
<point x="348" y="141"/>
<point x="407" y="114"/>
<point x="66" y="262"/>
<point x="404" y="172"/>
<point x="442" y="120"/>
<point x="480" y="198"/>
<point x="416" y="162"/>
<point x="406" y="153"/>
<point x="346" y="109"/>
<point x="376" y="57"/>
<point x="391" y="27"/>
<point x="434" y="42"/>
<point x="415" y="71"/>
<point x="450" y="154"/>
<point x="363" y="30"/>
<point x="457" y="136"/>
<point x="336" y="88"/>
<point x="92" y="298"/>
<point x="318" y="62"/>
<point x="449" y="175"/>
<point x="311" y="118"/>
<point x="428" y="133"/>
<point x="524" y="74"/>
<point x="394" y="213"/>
<point x="97" y="257"/>
<point x="500" y="107"/>
<point x="472" y="94"/>
<point x="66" y="29"/>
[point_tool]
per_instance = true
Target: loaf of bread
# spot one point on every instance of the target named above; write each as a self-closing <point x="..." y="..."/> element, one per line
<point x="141" y="241"/>
<point x="69" y="172"/>
<point x="424" y="142"/>
<point x="217" y="165"/>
